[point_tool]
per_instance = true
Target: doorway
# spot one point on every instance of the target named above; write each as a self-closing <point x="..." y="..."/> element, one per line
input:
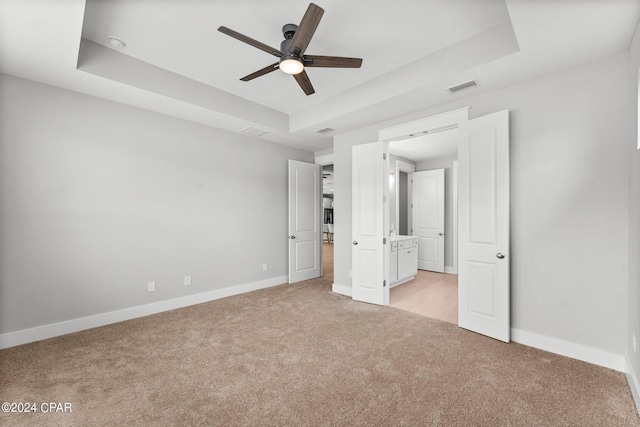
<point x="432" y="294"/>
<point x="483" y="211"/>
<point x="328" y="215"/>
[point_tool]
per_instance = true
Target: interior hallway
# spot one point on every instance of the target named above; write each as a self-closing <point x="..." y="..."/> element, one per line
<point x="430" y="294"/>
<point x="327" y="261"/>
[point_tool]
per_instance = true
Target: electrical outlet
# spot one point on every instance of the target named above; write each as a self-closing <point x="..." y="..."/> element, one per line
<point x="634" y="342"/>
<point x="265" y="267"/>
<point x="151" y="286"/>
<point x="187" y="280"/>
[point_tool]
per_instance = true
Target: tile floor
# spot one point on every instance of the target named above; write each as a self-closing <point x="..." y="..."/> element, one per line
<point x="429" y="294"/>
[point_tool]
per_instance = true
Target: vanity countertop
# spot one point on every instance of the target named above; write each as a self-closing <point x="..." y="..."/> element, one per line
<point x="396" y="238"/>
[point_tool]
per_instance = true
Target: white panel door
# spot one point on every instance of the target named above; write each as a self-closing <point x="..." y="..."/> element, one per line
<point x="483" y="225"/>
<point x="428" y="218"/>
<point x="305" y="238"/>
<point x="369" y="191"/>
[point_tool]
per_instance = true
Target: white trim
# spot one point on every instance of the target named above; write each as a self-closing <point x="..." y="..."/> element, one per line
<point x="38" y="333"/>
<point x="450" y="270"/>
<point x="404" y="167"/>
<point x="325" y="159"/>
<point x="570" y="349"/>
<point x="632" y="379"/>
<point x="430" y="123"/>
<point x="454" y="171"/>
<point x="341" y="289"/>
<point x="400" y="282"/>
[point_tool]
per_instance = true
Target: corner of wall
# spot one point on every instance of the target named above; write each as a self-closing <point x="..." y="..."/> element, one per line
<point x="632" y="379"/>
<point x="341" y="289"/>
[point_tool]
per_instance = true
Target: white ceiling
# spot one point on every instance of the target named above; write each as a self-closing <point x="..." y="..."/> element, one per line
<point x="177" y="63"/>
<point x="439" y="145"/>
<point x="187" y="41"/>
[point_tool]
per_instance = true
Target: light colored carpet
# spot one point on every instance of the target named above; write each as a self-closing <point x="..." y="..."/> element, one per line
<point x="302" y="355"/>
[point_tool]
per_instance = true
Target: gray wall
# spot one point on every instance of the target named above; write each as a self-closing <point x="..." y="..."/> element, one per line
<point x="633" y="296"/>
<point x="403" y="203"/>
<point x="569" y="136"/>
<point x="97" y="199"/>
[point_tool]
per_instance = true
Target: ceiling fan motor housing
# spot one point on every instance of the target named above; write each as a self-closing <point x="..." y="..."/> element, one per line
<point x="289" y="30"/>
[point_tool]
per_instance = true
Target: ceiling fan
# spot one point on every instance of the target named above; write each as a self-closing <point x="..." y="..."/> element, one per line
<point x="292" y="59"/>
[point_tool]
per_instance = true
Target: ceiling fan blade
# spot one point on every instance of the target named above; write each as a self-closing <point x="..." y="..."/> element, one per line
<point x="248" y="40"/>
<point x="331" y="61"/>
<point x="262" y="72"/>
<point x="304" y="82"/>
<point x="306" y="29"/>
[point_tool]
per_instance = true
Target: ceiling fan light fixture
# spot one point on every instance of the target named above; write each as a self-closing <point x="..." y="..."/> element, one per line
<point x="291" y="55"/>
<point x="291" y="65"/>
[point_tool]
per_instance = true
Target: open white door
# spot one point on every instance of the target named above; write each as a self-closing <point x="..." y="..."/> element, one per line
<point x="428" y="218"/>
<point x="483" y="221"/>
<point x="305" y="234"/>
<point x="369" y="193"/>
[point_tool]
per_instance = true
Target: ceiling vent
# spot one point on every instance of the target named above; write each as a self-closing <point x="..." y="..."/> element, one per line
<point x="461" y="86"/>
<point x="250" y="130"/>
<point x="325" y="130"/>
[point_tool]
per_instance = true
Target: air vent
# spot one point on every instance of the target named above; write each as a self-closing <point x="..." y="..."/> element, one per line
<point x="250" y="130"/>
<point x="325" y="130"/>
<point x="461" y="86"/>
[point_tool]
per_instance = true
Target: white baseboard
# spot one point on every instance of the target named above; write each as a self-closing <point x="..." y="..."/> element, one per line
<point x="341" y="289"/>
<point x="570" y="349"/>
<point x="401" y="281"/>
<point x="38" y="333"/>
<point x="632" y="379"/>
<point x="450" y="270"/>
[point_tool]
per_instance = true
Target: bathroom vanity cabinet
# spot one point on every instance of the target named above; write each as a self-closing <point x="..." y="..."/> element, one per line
<point x="403" y="259"/>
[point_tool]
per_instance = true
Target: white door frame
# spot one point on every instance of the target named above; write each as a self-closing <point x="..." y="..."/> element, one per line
<point x="324" y="160"/>
<point x="454" y="228"/>
<point x="449" y="120"/>
<point x="437" y="123"/>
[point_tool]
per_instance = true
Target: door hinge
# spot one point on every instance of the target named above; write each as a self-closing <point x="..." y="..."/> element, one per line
<point x="384" y="283"/>
<point x="384" y="156"/>
<point x="384" y="240"/>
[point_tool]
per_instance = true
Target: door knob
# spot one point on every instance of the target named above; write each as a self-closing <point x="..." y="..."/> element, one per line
<point x="500" y="255"/>
<point x="355" y="243"/>
<point x="439" y="234"/>
<point x="292" y="237"/>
